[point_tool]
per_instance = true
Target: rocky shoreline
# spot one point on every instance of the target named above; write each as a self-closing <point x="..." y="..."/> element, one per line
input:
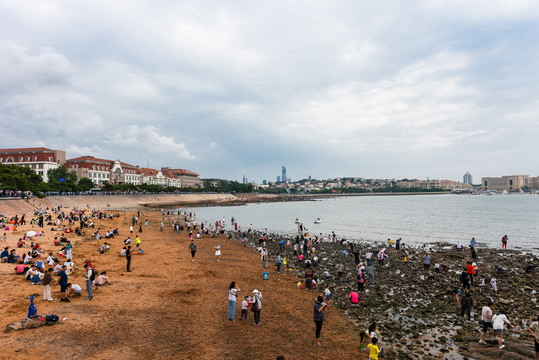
<point x="420" y="318"/>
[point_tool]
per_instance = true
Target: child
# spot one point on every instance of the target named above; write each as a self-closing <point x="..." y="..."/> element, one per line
<point x="244" y="307"/>
<point x="284" y="263"/>
<point x="493" y="284"/>
<point x="328" y="294"/>
<point x="373" y="349"/>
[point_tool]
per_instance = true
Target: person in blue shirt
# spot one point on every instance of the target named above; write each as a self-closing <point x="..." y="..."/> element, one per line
<point x="472" y="242"/>
<point x="4" y="254"/>
<point x="12" y="257"/>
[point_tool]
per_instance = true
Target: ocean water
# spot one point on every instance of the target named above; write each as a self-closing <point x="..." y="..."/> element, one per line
<point x="417" y="219"/>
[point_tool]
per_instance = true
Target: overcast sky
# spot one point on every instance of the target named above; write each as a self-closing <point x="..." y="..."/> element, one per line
<point x="377" y="89"/>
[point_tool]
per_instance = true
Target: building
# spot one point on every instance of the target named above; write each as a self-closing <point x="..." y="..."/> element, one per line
<point x="39" y="159"/>
<point x="156" y="177"/>
<point x="188" y="178"/>
<point x="283" y="175"/>
<point x="101" y="170"/>
<point x="467" y="179"/>
<point x="278" y="179"/>
<point x="509" y="183"/>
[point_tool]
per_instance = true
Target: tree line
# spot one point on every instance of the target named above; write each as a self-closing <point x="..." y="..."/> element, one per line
<point x="20" y="178"/>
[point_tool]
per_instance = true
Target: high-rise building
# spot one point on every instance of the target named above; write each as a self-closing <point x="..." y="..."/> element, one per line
<point x="283" y="177"/>
<point x="467" y="178"/>
<point x="264" y="182"/>
<point x="278" y="179"/>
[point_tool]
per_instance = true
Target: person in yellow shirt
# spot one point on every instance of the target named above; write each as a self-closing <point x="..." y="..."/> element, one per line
<point x="137" y="241"/>
<point x="373" y="350"/>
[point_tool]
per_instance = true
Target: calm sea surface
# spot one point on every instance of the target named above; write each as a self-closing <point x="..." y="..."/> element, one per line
<point x="416" y="219"/>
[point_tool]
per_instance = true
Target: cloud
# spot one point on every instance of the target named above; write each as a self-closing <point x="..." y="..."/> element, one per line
<point x="150" y="140"/>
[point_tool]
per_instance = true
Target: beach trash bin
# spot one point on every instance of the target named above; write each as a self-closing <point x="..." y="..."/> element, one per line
<point x="265" y="275"/>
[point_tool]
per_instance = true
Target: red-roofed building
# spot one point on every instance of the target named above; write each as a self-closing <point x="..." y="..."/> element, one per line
<point x="39" y="159"/>
<point x="101" y="170"/>
<point x="156" y="177"/>
<point x="188" y="178"/>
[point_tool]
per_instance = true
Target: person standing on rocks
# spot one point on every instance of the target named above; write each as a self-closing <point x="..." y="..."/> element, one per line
<point x="370" y="274"/>
<point x="309" y="276"/>
<point x="486" y="320"/>
<point x="534" y="330"/>
<point x="319" y="317"/>
<point x="128" y="258"/>
<point x="426" y="262"/>
<point x="264" y="257"/>
<point x="499" y="321"/>
<point x="465" y="279"/>
<point x="466" y="305"/>
<point x="504" y="242"/>
<point x="193" y="249"/>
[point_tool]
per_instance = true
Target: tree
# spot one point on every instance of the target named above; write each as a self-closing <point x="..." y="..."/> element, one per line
<point x="85" y="184"/>
<point x="61" y="179"/>
<point x="13" y="177"/>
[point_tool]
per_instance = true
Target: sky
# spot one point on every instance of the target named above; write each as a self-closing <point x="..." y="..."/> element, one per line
<point x="374" y="89"/>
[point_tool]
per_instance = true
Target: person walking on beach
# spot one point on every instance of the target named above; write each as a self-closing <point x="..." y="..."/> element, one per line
<point x="63" y="284"/>
<point x="534" y="330"/>
<point x="217" y="251"/>
<point x="128" y="258"/>
<point x="486" y="320"/>
<point x="278" y="262"/>
<point x="193" y="249"/>
<point x="264" y="257"/>
<point x="89" y="276"/>
<point x="498" y="324"/>
<point x="370" y="274"/>
<point x="319" y="317"/>
<point x="232" y="296"/>
<point x="256" y="306"/>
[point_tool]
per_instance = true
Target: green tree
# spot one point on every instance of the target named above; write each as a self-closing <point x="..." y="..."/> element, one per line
<point x="13" y="177"/>
<point x="85" y="184"/>
<point x="62" y="173"/>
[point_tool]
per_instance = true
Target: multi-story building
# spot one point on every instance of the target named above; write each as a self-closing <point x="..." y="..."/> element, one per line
<point x="156" y="177"/>
<point x="188" y="178"/>
<point x="39" y="159"/>
<point x="510" y="183"/>
<point x="283" y="174"/>
<point x="101" y="170"/>
<point x="467" y="178"/>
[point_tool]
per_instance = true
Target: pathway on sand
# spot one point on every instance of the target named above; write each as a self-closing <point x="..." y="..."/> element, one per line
<point x="170" y="307"/>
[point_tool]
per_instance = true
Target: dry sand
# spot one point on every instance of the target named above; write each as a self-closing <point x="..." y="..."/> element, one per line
<point x="168" y="307"/>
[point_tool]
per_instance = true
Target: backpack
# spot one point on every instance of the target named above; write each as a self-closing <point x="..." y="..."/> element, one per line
<point x="92" y="277"/>
<point x="462" y="276"/>
<point x="51" y="318"/>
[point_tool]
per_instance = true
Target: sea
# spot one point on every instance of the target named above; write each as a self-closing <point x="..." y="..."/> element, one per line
<point x="417" y="219"/>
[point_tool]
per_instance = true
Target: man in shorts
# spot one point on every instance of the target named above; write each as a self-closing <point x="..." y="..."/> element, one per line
<point x="486" y="319"/>
<point x="534" y="329"/>
<point x="63" y="284"/>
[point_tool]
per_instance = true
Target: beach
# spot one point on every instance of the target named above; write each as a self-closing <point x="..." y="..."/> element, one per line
<point x="168" y="307"/>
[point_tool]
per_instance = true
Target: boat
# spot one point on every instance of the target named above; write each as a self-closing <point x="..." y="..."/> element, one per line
<point x="318" y="221"/>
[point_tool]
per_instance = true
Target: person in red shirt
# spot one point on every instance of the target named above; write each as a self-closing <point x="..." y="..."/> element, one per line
<point x="354" y="298"/>
<point x="471" y="272"/>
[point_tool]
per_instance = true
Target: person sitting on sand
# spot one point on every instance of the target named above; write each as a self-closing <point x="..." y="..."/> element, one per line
<point x="123" y="251"/>
<point x="21" y="243"/>
<point x="5" y="254"/>
<point x="103" y="279"/>
<point x="73" y="290"/>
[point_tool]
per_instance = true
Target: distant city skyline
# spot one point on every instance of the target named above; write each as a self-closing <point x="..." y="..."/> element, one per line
<point x="354" y="88"/>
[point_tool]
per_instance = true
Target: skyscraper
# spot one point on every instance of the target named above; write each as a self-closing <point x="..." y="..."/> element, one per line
<point x="467" y="178"/>
<point x="278" y="179"/>
<point x="283" y="175"/>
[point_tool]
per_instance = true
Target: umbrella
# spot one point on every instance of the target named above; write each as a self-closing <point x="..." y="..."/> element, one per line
<point x="31" y="233"/>
<point x="2" y="216"/>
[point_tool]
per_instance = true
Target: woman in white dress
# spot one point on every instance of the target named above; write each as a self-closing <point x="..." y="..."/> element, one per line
<point x="217" y="251"/>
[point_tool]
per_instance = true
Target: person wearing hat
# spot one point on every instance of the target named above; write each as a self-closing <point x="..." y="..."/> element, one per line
<point x="319" y="317"/>
<point x="256" y="305"/>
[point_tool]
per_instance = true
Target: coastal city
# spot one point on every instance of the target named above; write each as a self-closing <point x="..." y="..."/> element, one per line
<point x="103" y="171"/>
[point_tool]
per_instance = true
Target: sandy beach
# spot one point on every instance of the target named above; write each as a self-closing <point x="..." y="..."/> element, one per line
<point x="168" y="307"/>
